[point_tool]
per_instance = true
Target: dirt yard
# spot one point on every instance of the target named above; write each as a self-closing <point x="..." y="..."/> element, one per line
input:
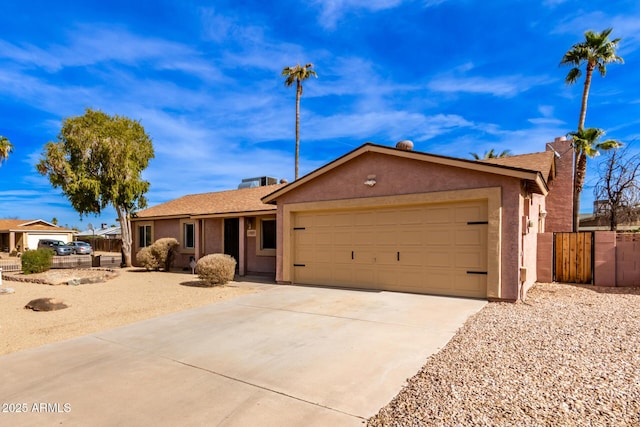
<point x="132" y="295"/>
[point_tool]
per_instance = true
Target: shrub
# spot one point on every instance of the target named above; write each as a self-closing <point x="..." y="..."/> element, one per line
<point x="145" y="258"/>
<point x="37" y="261"/>
<point x="216" y="269"/>
<point x="164" y="251"/>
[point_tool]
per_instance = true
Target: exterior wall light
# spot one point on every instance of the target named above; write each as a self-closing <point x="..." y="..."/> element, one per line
<point x="371" y="180"/>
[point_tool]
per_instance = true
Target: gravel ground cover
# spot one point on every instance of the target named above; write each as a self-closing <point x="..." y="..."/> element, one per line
<point x="568" y="356"/>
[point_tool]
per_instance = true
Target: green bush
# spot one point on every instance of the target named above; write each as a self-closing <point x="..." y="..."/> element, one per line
<point x="216" y="269"/>
<point x="37" y="261"/>
<point x="145" y="258"/>
<point x="164" y="251"/>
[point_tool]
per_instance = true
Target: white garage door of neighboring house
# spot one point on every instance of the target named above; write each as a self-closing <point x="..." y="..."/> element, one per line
<point x="435" y="249"/>
<point x="32" y="239"/>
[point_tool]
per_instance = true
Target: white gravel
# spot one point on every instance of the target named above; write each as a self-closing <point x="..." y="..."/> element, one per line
<point x="569" y="356"/>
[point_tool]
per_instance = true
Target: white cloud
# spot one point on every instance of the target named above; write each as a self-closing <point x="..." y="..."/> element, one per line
<point x="333" y="10"/>
<point x="626" y="27"/>
<point x="505" y="86"/>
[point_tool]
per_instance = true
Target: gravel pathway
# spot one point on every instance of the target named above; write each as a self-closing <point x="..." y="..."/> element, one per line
<point x="569" y="356"/>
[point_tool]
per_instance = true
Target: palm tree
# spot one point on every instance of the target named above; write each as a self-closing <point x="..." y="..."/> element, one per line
<point x="297" y="74"/>
<point x="5" y="148"/>
<point x="491" y="154"/>
<point x="596" y="51"/>
<point x="585" y="143"/>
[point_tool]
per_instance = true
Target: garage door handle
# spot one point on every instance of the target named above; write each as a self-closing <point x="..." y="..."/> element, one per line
<point x="398" y="256"/>
<point x="352" y="256"/>
<point x="477" y="272"/>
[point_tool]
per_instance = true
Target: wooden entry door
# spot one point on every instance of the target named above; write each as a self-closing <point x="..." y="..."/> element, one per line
<point x="232" y="238"/>
<point x="573" y="257"/>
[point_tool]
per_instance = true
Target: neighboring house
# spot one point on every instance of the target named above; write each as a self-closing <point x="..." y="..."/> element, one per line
<point x="384" y="218"/>
<point x="21" y="235"/>
<point x="234" y="222"/>
<point x="104" y="232"/>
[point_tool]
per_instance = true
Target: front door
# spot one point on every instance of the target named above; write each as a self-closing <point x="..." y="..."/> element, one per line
<point x="232" y="238"/>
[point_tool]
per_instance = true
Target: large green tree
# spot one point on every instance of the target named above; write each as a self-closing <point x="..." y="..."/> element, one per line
<point x="5" y="148"/>
<point x="97" y="161"/>
<point x="586" y="143"/>
<point x="297" y="75"/>
<point x="595" y="52"/>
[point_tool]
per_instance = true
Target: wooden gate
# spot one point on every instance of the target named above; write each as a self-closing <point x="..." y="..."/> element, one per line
<point x="573" y="257"/>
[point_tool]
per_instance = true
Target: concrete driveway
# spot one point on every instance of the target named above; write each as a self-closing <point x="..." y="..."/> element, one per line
<point x="285" y="356"/>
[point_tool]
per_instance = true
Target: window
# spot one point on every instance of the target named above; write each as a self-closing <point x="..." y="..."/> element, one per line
<point x="189" y="235"/>
<point x="144" y="235"/>
<point x="268" y="234"/>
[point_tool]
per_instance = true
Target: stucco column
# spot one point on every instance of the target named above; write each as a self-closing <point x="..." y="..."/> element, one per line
<point x="198" y="237"/>
<point x="242" y="262"/>
<point x="604" y="258"/>
<point x="12" y="241"/>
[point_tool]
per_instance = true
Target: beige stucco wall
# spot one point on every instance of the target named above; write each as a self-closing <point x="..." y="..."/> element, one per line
<point x="400" y="176"/>
<point x="211" y="240"/>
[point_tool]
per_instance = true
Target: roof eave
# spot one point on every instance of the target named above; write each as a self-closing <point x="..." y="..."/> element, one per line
<point x="447" y="161"/>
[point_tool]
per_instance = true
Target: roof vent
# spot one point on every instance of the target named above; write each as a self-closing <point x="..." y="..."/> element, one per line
<point x="260" y="181"/>
<point x="405" y="145"/>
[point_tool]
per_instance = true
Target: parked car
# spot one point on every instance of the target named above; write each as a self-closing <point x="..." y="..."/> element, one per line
<point x="58" y="246"/>
<point x="81" y="248"/>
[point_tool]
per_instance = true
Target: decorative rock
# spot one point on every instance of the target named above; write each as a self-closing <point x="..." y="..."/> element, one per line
<point x="6" y="290"/>
<point x="73" y="282"/>
<point x="46" y="304"/>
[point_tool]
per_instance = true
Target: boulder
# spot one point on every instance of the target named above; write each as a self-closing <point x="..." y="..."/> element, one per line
<point x="46" y="304"/>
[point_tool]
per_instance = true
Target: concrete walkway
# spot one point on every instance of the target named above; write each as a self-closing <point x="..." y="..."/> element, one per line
<point x="285" y="356"/>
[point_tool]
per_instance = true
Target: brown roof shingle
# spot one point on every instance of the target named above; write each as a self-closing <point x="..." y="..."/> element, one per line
<point x="222" y="202"/>
<point x="541" y="162"/>
<point x="28" y="224"/>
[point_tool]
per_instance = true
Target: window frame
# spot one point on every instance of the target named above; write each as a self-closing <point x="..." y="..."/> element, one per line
<point x="148" y="234"/>
<point x="183" y="235"/>
<point x="260" y="249"/>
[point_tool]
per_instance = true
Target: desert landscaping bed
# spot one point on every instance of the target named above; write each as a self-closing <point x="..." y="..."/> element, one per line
<point x="568" y="356"/>
<point x="99" y="301"/>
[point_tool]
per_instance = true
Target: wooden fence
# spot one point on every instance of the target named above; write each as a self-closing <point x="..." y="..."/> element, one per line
<point x="573" y="257"/>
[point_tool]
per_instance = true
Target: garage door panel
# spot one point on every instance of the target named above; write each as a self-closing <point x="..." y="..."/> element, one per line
<point x="435" y="258"/>
<point x="386" y="217"/>
<point x="342" y="239"/>
<point x="438" y="237"/>
<point x="426" y="249"/>
<point x="364" y="256"/>
<point x="363" y="236"/>
<point x="438" y="279"/>
<point x="470" y="259"/>
<point x="386" y="238"/>
<point x="470" y="237"/>
<point x="411" y="217"/>
<point x="412" y="257"/>
<point x="470" y="213"/>
<point x="410" y="236"/>
<point x="470" y="284"/>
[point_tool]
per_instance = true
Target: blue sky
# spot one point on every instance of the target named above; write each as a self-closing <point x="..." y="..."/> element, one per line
<point x="203" y="78"/>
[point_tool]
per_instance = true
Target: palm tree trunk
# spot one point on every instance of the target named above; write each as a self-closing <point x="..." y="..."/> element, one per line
<point x="298" y="95"/>
<point x="585" y="97"/>
<point x="581" y="168"/>
<point x="581" y="158"/>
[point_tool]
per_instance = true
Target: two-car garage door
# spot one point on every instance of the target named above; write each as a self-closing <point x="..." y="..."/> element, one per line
<point x="436" y="248"/>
